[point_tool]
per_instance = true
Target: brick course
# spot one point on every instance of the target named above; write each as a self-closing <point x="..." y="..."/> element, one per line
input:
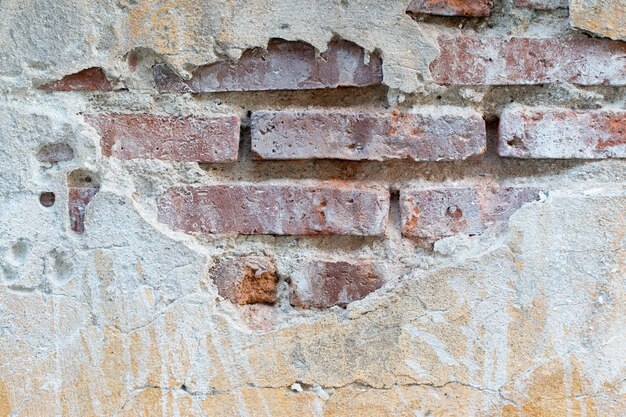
<point x="276" y="209"/>
<point x="475" y="60"/>
<point x="428" y="134"/>
<point x="283" y="66"/>
<point x="446" y="211"/>
<point x="556" y="133"/>
<point x="146" y="136"/>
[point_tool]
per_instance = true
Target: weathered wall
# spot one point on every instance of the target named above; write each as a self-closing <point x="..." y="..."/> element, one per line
<point x="329" y="208"/>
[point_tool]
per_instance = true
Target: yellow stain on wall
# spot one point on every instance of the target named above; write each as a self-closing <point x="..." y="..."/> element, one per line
<point x="5" y="404"/>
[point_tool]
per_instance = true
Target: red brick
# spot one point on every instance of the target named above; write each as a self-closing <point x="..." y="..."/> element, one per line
<point x="329" y="283"/>
<point x="542" y="4"/>
<point x="475" y="60"/>
<point x="429" y="134"/>
<point x="146" y="136"/>
<point x="322" y="209"/>
<point x="78" y="199"/>
<point x="246" y="280"/>
<point x="283" y="66"/>
<point x="543" y="132"/>
<point x="441" y="212"/>
<point x="472" y="8"/>
<point x="90" y="79"/>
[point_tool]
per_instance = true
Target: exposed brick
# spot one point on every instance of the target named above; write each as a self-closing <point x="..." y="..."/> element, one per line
<point x="283" y="66"/>
<point x="475" y="60"/>
<point x="429" y="134"/>
<point x="55" y="152"/>
<point x="275" y="209"/>
<point x="78" y="199"/>
<point x="473" y="8"/>
<point x="441" y="212"/>
<point x="246" y="280"/>
<point x="90" y="79"/>
<point x="146" y="136"/>
<point x="543" y="132"/>
<point x="329" y="283"/>
<point x="542" y="4"/>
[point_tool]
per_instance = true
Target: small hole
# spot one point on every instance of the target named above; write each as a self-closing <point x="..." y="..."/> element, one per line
<point x="454" y="212"/>
<point x="47" y="199"/>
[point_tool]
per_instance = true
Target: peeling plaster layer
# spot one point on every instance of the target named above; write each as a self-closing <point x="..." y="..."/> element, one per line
<point x="50" y="40"/>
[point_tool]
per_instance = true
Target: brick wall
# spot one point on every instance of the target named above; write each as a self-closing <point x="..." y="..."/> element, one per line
<point x="290" y="130"/>
<point x="292" y="182"/>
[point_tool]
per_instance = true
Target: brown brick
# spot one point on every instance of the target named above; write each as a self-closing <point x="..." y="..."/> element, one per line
<point x="544" y="132"/>
<point x="322" y="209"/>
<point x="146" y="136"/>
<point x="283" y="66"/>
<point x="473" y="8"/>
<point x="90" y="79"/>
<point x="429" y="134"/>
<point x="475" y="60"/>
<point x="246" y="280"/>
<point x="78" y="199"/>
<point x="542" y="4"/>
<point x="329" y="283"/>
<point x="440" y="212"/>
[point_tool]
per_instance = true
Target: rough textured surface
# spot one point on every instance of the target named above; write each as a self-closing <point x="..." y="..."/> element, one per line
<point x="542" y="4"/>
<point x="530" y="132"/>
<point x="525" y="318"/>
<point x="145" y="136"/>
<point x="475" y="8"/>
<point x="427" y="134"/>
<point x="90" y="79"/>
<point x="475" y="60"/>
<point x="277" y="210"/>
<point x="335" y="283"/>
<point x="283" y="66"/>
<point x="246" y="280"/>
<point x="600" y="17"/>
<point x="437" y="213"/>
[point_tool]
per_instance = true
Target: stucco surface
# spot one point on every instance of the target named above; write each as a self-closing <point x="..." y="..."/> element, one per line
<point x="123" y="320"/>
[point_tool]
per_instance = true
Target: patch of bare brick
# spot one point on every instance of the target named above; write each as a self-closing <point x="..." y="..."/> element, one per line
<point x="335" y="283"/>
<point x="447" y="211"/>
<point x="334" y="209"/>
<point x="246" y="280"/>
<point x="83" y="185"/>
<point x="147" y="136"/>
<point x="474" y="8"/>
<point x="78" y="200"/>
<point x="476" y="60"/>
<point x="427" y="134"/>
<point x="557" y="133"/>
<point x="90" y="79"/>
<point x="284" y="65"/>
